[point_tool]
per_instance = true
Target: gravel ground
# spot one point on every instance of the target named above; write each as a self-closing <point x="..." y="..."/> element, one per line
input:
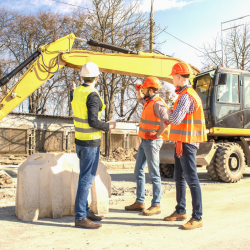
<point x="226" y="220"/>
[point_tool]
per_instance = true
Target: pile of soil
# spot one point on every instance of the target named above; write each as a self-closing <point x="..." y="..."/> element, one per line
<point x="120" y="154"/>
<point x="5" y="180"/>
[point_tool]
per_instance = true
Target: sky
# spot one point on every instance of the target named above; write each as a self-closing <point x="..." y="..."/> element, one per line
<point x="195" y="22"/>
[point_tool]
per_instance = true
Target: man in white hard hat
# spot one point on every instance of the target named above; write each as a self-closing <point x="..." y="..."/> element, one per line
<point x="87" y="106"/>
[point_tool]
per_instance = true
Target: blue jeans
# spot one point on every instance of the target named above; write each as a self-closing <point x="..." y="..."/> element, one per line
<point x="185" y="169"/>
<point x="148" y="152"/>
<point x="89" y="158"/>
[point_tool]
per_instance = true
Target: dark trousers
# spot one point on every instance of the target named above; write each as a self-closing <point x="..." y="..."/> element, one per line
<point x="185" y="171"/>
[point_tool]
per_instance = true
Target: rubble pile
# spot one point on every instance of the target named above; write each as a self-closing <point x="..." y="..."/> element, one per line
<point x="5" y="180"/>
<point x="120" y="154"/>
<point x="12" y="160"/>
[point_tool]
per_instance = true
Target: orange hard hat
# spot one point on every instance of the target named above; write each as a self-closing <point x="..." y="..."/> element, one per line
<point x="180" y="68"/>
<point x="152" y="82"/>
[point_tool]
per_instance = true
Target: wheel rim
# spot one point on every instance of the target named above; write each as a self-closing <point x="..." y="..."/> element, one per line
<point x="234" y="163"/>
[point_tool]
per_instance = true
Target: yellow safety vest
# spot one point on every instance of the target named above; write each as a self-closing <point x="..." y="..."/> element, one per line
<point x="79" y="105"/>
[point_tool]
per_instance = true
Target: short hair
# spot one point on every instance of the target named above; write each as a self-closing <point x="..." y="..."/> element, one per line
<point x="154" y="89"/>
<point x="88" y="79"/>
<point x="185" y="76"/>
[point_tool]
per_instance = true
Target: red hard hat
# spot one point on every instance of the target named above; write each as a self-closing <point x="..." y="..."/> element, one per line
<point x="180" y="68"/>
<point x="152" y="82"/>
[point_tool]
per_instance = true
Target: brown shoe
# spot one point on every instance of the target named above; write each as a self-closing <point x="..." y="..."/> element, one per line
<point x="137" y="206"/>
<point x="85" y="223"/>
<point x="153" y="210"/>
<point x="93" y="217"/>
<point x="192" y="224"/>
<point x="175" y="216"/>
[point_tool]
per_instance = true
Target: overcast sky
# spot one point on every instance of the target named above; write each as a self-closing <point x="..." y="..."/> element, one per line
<point x="194" y="22"/>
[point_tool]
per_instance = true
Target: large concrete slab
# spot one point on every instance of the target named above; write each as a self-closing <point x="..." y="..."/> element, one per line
<point x="47" y="185"/>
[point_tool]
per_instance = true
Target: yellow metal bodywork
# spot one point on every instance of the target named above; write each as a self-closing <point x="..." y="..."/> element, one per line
<point x="141" y="65"/>
<point x="216" y="131"/>
<point x="58" y="54"/>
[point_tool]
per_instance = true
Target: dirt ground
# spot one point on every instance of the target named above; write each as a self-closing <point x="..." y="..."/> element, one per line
<point x="226" y="220"/>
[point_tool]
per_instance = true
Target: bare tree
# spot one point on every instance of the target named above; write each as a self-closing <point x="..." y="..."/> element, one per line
<point x="236" y="44"/>
<point x="166" y="94"/>
<point x="23" y="36"/>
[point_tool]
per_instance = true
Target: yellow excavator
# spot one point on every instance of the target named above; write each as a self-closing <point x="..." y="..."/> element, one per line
<point x="225" y="154"/>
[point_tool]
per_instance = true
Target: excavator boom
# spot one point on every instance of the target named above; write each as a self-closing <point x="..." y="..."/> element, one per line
<point x="53" y="56"/>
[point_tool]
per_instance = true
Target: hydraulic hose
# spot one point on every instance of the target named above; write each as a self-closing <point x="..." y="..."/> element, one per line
<point x="106" y="46"/>
<point x="5" y="79"/>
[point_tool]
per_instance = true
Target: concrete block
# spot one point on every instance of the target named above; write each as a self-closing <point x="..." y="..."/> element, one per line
<point x="47" y="185"/>
<point x="100" y="190"/>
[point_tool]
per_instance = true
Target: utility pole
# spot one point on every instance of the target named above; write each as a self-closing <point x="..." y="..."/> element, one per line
<point x="151" y="27"/>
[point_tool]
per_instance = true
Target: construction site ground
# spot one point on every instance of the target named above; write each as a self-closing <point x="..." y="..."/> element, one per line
<point x="226" y="220"/>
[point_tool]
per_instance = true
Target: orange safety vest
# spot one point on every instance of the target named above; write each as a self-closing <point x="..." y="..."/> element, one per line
<point x="149" y="122"/>
<point x="193" y="126"/>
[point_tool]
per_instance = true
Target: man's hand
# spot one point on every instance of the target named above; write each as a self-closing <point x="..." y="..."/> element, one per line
<point x="150" y="136"/>
<point x="112" y="125"/>
<point x="170" y="111"/>
<point x="138" y="86"/>
<point x="166" y="124"/>
<point x="73" y="85"/>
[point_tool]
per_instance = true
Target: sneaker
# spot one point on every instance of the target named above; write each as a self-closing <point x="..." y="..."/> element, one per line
<point x="192" y="224"/>
<point x="137" y="206"/>
<point x="175" y="216"/>
<point x="153" y="210"/>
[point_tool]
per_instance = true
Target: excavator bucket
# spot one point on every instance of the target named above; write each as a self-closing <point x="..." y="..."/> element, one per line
<point x="204" y="155"/>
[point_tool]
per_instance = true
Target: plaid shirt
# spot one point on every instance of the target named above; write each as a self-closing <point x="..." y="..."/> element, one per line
<point x="185" y="106"/>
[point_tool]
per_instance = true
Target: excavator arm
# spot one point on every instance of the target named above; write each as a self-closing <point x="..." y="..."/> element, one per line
<point x="52" y="57"/>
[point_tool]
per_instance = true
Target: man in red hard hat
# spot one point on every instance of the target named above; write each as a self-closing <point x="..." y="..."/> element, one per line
<point x="152" y="133"/>
<point x="187" y="130"/>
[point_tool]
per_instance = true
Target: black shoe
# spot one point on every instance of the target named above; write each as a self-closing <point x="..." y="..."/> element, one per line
<point x="93" y="217"/>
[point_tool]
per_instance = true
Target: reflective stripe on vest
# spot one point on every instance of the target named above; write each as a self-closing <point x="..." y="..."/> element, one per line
<point x="149" y="122"/>
<point x="79" y="105"/>
<point x="193" y="126"/>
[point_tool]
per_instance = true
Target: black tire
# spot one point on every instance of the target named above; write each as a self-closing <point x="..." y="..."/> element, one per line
<point x="167" y="170"/>
<point x="211" y="168"/>
<point x="230" y="162"/>
<point x="211" y="171"/>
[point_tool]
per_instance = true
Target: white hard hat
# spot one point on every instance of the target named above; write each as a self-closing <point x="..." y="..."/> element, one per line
<point x="90" y="69"/>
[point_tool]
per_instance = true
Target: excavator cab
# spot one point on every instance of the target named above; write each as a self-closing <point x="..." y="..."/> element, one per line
<point x="220" y="91"/>
<point x="225" y="95"/>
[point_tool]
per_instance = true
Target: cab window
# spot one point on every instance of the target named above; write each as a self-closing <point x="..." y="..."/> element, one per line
<point x="230" y="91"/>
<point x="203" y="86"/>
<point x="246" y="80"/>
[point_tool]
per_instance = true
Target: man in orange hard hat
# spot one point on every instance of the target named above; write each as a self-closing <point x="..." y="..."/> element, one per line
<point x="152" y="133"/>
<point x="187" y="130"/>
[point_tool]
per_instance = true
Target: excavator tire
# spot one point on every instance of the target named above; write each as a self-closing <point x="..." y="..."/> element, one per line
<point x="167" y="170"/>
<point x="211" y="171"/>
<point x="211" y="168"/>
<point x="230" y="162"/>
